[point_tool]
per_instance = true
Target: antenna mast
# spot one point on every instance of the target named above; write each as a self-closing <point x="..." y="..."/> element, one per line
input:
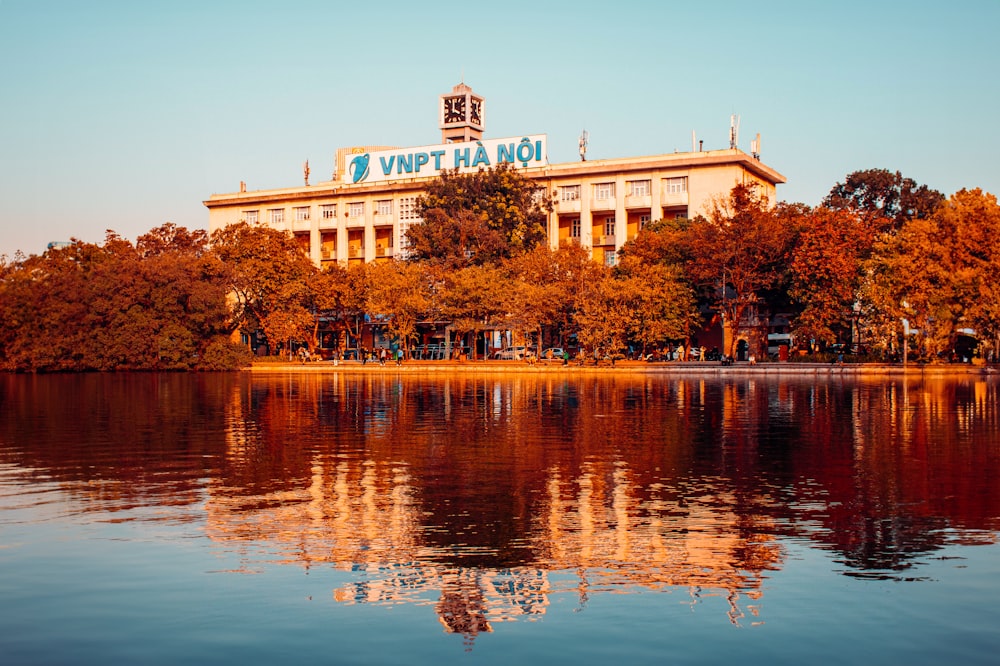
<point x="734" y="131"/>
<point x="584" y="138"/>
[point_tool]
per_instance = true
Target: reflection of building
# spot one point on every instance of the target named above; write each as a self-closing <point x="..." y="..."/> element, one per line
<point x="586" y="527"/>
<point x="363" y="212"/>
<point x="600" y="523"/>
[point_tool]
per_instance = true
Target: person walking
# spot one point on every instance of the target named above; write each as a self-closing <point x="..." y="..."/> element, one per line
<point x="381" y="356"/>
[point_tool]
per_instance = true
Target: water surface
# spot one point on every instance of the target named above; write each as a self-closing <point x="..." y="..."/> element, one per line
<point x="401" y="518"/>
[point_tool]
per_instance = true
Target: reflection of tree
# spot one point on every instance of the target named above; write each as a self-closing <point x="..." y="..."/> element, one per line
<point x="905" y="472"/>
<point x="115" y="442"/>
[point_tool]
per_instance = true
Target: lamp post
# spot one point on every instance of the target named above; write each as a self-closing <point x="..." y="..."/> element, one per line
<point x="906" y="335"/>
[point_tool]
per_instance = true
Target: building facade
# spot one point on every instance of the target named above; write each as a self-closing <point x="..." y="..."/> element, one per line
<point x="363" y="213"/>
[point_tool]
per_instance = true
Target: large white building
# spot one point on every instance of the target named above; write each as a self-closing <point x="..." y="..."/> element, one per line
<point x="363" y="213"/>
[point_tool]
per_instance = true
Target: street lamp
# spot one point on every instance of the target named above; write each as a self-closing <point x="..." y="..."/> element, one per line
<point x="906" y="335"/>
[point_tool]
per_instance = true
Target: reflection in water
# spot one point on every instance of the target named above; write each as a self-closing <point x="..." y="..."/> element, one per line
<point x="483" y="496"/>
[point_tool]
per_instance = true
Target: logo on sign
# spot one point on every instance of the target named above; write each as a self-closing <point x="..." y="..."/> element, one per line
<point x="359" y="168"/>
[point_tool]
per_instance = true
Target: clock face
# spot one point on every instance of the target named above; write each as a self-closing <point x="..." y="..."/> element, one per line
<point x="454" y="109"/>
<point x="476" y="114"/>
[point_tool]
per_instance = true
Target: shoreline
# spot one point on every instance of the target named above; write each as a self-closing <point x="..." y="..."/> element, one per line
<point x="710" y="368"/>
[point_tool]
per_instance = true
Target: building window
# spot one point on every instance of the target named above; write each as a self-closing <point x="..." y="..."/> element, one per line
<point x="677" y="185"/>
<point x="638" y="188"/>
<point x="408" y="209"/>
<point x="302" y="213"/>
<point x="643" y="221"/>
<point x="356" y="209"/>
<point x="383" y="207"/>
<point x="574" y="228"/>
<point x="609" y="226"/>
<point x="610" y="257"/>
<point x="251" y="216"/>
<point x="277" y="215"/>
<point x="570" y="193"/>
<point x="604" y="191"/>
<point x="328" y="211"/>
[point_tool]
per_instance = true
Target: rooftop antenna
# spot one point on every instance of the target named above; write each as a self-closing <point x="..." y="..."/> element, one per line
<point x="305" y="171"/>
<point x="755" y="147"/>
<point x="584" y="138"/>
<point x="734" y="130"/>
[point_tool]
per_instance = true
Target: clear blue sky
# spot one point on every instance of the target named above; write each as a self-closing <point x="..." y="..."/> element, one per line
<point x="126" y="115"/>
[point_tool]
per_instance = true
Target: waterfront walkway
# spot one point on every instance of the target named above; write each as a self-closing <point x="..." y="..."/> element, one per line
<point x="707" y="368"/>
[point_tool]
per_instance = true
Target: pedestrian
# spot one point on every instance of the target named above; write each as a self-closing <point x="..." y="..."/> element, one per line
<point x="399" y="356"/>
<point x="381" y="356"/>
<point x="364" y="355"/>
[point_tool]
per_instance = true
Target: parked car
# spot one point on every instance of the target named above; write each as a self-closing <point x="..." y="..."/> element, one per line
<point x="553" y="354"/>
<point x="518" y="353"/>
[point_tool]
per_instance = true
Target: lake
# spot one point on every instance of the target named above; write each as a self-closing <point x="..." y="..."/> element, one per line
<point x="389" y="517"/>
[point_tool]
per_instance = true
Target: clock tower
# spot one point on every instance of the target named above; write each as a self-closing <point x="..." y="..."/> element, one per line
<point x="461" y="115"/>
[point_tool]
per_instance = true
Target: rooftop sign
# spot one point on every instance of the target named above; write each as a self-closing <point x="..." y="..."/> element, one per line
<point x="429" y="161"/>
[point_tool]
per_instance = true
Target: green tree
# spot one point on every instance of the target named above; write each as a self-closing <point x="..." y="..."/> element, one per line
<point x="478" y="218"/>
<point x="884" y="195"/>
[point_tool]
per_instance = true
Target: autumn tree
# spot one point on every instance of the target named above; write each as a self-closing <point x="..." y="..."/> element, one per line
<point x="475" y="299"/>
<point x="339" y="295"/>
<point x="939" y="274"/>
<point x="42" y="307"/>
<point x="827" y="267"/>
<point x="269" y="277"/>
<point x="156" y="305"/>
<point x="605" y="315"/>
<point x="970" y="221"/>
<point x="188" y="296"/>
<point x="907" y="280"/>
<point x="664" y="241"/>
<point x="662" y="302"/>
<point x="478" y="218"/>
<point x="399" y="297"/>
<point x="740" y="251"/>
<point x="545" y="286"/>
